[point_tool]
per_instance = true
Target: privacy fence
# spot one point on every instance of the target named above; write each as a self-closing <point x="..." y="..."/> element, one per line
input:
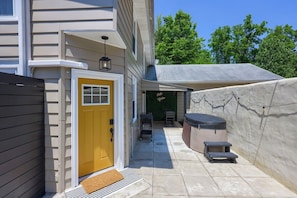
<point x="22" y="167"/>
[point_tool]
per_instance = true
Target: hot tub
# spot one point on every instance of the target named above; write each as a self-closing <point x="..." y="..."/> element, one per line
<point x="198" y="128"/>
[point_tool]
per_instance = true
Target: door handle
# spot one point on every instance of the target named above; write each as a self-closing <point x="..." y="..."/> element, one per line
<point x="111" y="131"/>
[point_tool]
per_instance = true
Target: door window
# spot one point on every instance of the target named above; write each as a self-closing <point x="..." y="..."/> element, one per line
<point x="95" y="95"/>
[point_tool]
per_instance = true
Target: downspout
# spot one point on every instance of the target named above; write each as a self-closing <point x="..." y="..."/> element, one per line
<point x="21" y="7"/>
<point x="27" y="43"/>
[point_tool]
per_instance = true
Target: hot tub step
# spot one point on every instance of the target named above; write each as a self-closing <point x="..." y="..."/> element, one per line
<point x="217" y="144"/>
<point x="224" y="153"/>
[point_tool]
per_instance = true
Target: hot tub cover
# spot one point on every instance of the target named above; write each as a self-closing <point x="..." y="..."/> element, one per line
<point x="205" y="121"/>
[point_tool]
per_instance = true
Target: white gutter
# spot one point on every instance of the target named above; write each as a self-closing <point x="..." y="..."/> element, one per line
<point x="56" y="63"/>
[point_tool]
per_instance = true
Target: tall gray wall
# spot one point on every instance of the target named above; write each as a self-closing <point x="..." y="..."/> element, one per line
<point x="261" y="123"/>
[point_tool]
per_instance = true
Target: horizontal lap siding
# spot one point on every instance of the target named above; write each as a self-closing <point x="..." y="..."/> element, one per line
<point x="9" y="40"/>
<point x="51" y="78"/>
<point x="21" y="136"/>
<point x="57" y="128"/>
<point x="135" y="68"/>
<point x="50" y="17"/>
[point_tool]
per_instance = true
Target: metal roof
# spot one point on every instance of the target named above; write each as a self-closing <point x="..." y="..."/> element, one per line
<point x="210" y="73"/>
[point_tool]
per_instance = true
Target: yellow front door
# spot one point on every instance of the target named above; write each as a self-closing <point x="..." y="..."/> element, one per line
<point x="95" y="125"/>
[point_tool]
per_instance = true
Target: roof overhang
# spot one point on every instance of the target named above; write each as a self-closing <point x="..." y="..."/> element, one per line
<point x="114" y="38"/>
<point x="148" y="85"/>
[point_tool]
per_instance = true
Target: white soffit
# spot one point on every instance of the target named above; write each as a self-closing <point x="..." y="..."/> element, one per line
<point x="114" y="39"/>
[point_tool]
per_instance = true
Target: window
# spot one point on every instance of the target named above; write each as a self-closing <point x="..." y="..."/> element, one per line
<point x="134" y="39"/>
<point x="6" y="7"/>
<point x="95" y="95"/>
<point x="134" y="99"/>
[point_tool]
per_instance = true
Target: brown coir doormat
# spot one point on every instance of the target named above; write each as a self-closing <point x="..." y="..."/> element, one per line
<point x="100" y="181"/>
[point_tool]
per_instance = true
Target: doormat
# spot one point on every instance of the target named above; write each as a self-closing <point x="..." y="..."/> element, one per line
<point x="130" y="178"/>
<point x="100" y="181"/>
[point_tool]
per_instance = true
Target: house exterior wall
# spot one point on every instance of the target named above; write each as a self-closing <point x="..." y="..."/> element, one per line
<point x="51" y="43"/>
<point x="260" y="121"/>
<point x="57" y="127"/>
<point x="51" y="23"/>
<point x="134" y="68"/>
<point x="49" y="18"/>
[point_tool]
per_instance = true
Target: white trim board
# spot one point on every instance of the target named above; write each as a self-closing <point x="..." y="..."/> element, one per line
<point x="118" y="118"/>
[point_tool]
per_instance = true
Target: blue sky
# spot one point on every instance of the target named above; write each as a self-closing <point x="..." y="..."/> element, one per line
<point x="211" y="14"/>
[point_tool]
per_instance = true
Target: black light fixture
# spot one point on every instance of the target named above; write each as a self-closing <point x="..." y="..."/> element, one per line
<point x="104" y="62"/>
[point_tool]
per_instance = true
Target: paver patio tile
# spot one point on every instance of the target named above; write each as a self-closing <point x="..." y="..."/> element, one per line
<point x="143" y="156"/>
<point x="192" y="168"/>
<point x="186" y="155"/>
<point x="220" y="170"/>
<point x="144" y="146"/>
<point x="162" y="148"/>
<point x="142" y="167"/>
<point x="169" y="185"/>
<point x="248" y="171"/>
<point x="235" y="186"/>
<point x="166" y="167"/>
<point x="202" y="186"/>
<point x="149" y="180"/>
<point x="268" y="187"/>
<point x="164" y="156"/>
<point x="174" y="170"/>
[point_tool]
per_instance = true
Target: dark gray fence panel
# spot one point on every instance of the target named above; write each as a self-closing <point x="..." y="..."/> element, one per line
<point x="22" y="168"/>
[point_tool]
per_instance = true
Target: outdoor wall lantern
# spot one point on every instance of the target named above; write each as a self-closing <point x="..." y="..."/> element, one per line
<point x="104" y="62"/>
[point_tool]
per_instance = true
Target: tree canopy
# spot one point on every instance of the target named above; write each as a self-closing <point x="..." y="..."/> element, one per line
<point x="237" y="44"/>
<point x="277" y="52"/>
<point x="177" y="41"/>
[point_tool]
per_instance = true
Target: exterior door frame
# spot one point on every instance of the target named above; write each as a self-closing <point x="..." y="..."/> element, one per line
<point x="118" y="118"/>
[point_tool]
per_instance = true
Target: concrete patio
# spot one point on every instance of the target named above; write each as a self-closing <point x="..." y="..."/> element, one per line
<point x="171" y="169"/>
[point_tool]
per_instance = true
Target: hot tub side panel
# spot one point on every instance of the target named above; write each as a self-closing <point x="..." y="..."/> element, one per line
<point x="199" y="136"/>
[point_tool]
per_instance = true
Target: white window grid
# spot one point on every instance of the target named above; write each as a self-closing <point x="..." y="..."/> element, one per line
<point x="95" y="95"/>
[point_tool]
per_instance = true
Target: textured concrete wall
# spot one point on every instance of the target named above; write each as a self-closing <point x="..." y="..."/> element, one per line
<point x="261" y="123"/>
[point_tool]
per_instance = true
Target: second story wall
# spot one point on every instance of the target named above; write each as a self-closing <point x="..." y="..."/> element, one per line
<point x="50" y="17"/>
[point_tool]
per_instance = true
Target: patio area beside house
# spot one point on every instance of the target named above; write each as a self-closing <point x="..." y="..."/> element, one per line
<point x="171" y="169"/>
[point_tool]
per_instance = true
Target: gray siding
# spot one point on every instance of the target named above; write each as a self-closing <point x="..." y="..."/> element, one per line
<point x="50" y="17"/>
<point x="9" y="41"/>
<point x="54" y="127"/>
<point x="134" y="68"/>
<point x="9" y="48"/>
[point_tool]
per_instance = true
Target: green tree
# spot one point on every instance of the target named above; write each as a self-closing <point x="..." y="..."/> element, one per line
<point x="177" y="41"/>
<point x="221" y="45"/>
<point x="246" y="39"/>
<point x="237" y="44"/>
<point x="277" y="52"/>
